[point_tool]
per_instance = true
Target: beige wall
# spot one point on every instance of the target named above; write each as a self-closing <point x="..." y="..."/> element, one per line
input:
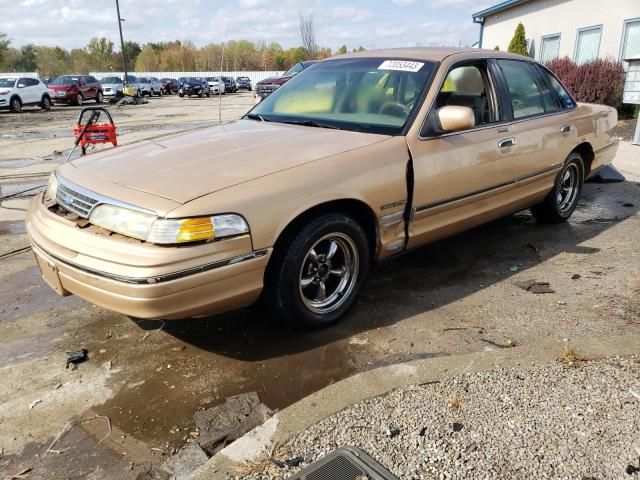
<point x="546" y="17"/>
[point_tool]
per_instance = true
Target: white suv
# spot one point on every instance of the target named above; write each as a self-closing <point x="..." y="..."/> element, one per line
<point x="15" y="92"/>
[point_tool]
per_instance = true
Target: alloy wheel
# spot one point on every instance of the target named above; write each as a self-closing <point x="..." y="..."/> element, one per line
<point x="329" y="273"/>
<point x="568" y="188"/>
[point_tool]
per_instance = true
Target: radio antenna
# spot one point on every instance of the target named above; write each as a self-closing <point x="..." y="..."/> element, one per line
<point x="224" y="85"/>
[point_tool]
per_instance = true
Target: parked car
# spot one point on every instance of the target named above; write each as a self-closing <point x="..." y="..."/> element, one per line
<point x="230" y="85"/>
<point x="46" y="80"/>
<point x="215" y="85"/>
<point x="16" y="92"/>
<point x="75" y="89"/>
<point x="150" y="86"/>
<point x="267" y="86"/>
<point x="111" y="86"/>
<point x="193" y="86"/>
<point x="133" y="87"/>
<point x="170" y="85"/>
<point x="361" y="157"/>
<point x="243" y="82"/>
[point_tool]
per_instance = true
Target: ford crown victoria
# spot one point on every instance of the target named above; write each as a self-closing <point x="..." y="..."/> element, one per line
<point x="357" y="158"/>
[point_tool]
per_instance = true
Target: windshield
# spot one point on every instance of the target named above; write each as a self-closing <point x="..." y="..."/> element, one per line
<point x="363" y="94"/>
<point x="297" y="68"/>
<point x="65" y="80"/>
<point x="191" y="79"/>
<point x="7" y="82"/>
<point x="111" y="80"/>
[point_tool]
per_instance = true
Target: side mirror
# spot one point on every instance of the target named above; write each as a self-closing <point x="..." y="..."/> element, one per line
<point x="21" y="85"/>
<point x="453" y="118"/>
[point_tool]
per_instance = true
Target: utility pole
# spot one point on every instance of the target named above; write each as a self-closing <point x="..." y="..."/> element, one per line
<point x="124" y="57"/>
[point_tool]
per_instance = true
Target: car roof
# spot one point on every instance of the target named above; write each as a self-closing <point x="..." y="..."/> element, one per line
<point x="436" y="54"/>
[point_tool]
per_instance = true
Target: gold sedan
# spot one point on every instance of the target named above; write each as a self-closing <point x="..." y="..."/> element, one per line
<point x="357" y="158"/>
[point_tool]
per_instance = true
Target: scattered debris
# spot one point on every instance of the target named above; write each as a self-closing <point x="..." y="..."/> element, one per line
<point x="635" y="394"/>
<point x="570" y="358"/>
<point x="22" y="474"/>
<point x="515" y="268"/>
<point x="628" y="205"/>
<point x="223" y="424"/>
<point x="76" y="357"/>
<point x="576" y="276"/>
<point x="71" y="424"/>
<point x="561" y="302"/>
<point x="34" y="403"/>
<point x="147" y="334"/>
<point x="292" y="462"/>
<point x="456" y="427"/>
<point x="607" y="174"/>
<point x="455" y="402"/>
<point x="534" y="286"/>
<point x="392" y="432"/>
<point x="186" y="461"/>
<point x="423" y="431"/>
<point x="108" y="335"/>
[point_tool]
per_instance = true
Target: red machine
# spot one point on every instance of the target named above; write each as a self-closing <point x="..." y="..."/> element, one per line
<point x="93" y="133"/>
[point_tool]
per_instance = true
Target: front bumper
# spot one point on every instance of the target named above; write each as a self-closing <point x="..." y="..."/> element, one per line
<point x="143" y="280"/>
<point x="266" y="90"/>
<point x="62" y="97"/>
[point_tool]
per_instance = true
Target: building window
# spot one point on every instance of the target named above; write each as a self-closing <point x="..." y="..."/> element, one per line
<point x="631" y="38"/>
<point x="549" y="48"/>
<point x="588" y="44"/>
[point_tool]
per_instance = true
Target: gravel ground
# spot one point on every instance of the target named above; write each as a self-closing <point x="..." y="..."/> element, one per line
<point x="549" y="421"/>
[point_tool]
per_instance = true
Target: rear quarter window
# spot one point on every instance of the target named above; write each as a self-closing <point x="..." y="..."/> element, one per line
<point x="566" y="100"/>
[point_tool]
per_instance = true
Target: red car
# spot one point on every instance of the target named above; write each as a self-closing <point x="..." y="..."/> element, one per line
<point x="75" y="89"/>
<point x="170" y="85"/>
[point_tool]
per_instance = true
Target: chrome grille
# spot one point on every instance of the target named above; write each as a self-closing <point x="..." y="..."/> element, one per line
<point x="74" y="201"/>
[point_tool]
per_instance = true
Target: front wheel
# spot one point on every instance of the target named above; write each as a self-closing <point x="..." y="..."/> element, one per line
<point x="317" y="274"/>
<point x="99" y="97"/>
<point x="15" y="105"/>
<point x="563" y="199"/>
<point x="79" y="100"/>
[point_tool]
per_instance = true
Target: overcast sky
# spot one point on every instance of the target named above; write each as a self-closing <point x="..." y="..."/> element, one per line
<point x="370" y="23"/>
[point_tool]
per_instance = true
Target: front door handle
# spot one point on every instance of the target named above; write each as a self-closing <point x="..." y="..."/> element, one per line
<point x="565" y="129"/>
<point x="507" y="142"/>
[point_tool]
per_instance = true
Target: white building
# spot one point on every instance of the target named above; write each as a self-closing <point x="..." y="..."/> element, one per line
<point x="579" y="29"/>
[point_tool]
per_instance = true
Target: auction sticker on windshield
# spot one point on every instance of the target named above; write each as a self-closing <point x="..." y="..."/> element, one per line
<point x="401" y="65"/>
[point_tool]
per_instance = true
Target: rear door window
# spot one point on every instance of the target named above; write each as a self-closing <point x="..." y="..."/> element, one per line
<point x="526" y="98"/>
<point x="566" y="100"/>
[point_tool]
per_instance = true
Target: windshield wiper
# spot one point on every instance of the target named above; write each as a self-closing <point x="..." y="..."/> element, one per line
<point x="311" y="123"/>
<point x="255" y="116"/>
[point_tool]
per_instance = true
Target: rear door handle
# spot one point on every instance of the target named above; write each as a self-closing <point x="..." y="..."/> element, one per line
<point x="507" y="142"/>
<point x="565" y="129"/>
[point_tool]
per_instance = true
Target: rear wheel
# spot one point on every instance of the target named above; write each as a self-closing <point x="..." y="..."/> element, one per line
<point x="317" y="274"/>
<point x="15" y="104"/>
<point x="161" y="93"/>
<point x="563" y="199"/>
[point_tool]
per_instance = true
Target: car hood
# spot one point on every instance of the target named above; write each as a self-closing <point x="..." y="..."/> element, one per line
<point x="111" y="85"/>
<point x="187" y="166"/>
<point x="60" y="87"/>
<point x="272" y="80"/>
<point x="6" y="90"/>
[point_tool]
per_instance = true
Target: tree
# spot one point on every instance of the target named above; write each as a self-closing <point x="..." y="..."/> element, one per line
<point x="100" y="51"/>
<point x="131" y="51"/>
<point x="148" y="60"/>
<point x="342" y="50"/>
<point x="4" y="46"/>
<point x="308" y="35"/>
<point x="519" y="41"/>
<point x="52" y="61"/>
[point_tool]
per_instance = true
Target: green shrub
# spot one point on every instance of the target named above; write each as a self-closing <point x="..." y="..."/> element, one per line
<point x="518" y="43"/>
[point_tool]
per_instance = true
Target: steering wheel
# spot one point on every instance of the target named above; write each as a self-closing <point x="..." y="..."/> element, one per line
<point x="395" y="109"/>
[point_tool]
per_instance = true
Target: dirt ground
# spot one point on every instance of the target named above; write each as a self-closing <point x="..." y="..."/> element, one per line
<point x="148" y="377"/>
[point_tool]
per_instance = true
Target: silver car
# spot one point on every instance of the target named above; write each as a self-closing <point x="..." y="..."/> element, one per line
<point x="150" y="86"/>
<point x="111" y="86"/>
<point x="215" y="85"/>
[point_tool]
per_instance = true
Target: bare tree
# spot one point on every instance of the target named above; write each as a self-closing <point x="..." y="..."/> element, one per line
<point x="308" y="34"/>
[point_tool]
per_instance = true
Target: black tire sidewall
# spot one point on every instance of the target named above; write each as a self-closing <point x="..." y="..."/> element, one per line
<point x="286" y="295"/>
<point x="572" y="159"/>
<point x="15" y="105"/>
<point x="46" y="103"/>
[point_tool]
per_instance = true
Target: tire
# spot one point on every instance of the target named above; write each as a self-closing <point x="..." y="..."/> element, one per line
<point x="45" y="104"/>
<point x="138" y="94"/>
<point x="296" y="282"/>
<point x="79" y="100"/>
<point x="99" y="97"/>
<point x="161" y="93"/>
<point x="562" y="200"/>
<point x="15" y="104"/>
<point x="151" y="93"/>
<point x="181" y="95"/>
<point x="200" y="95"/>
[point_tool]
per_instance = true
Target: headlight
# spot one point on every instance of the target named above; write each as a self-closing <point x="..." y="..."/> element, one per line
<point x="52" y="188"/>
<point x="4" y="93"/>
<point x="148" y="227"/>
<point x="123" y="220"/>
